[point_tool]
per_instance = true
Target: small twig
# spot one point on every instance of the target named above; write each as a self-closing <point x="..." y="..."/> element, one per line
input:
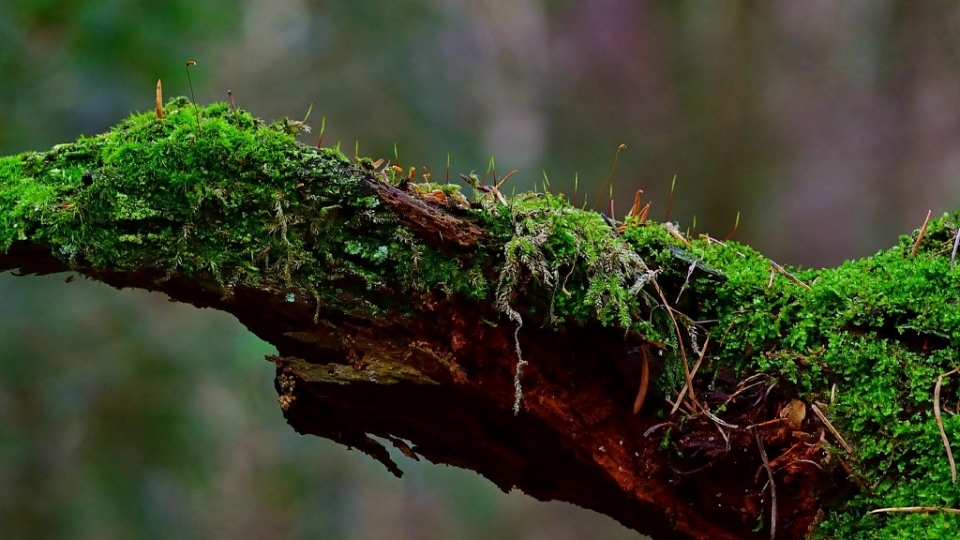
<point x="676" y="234"/>
<point x="923" y="231"/>
<point x="773" y="486"/>
<point x="734" y="395"/>
<point x="644" y="381"/>
<point x="915" y="509"/>
<point x="703" y="352"/>
<point x="807" y="461"/>
<point x="833" y="430"/>
<point x="765" y="395"/>
<point x="943" y="433"/>
<point x="767" y="423"/>
<point x="956" y="243"/>
<point x="712" y="240"/>
<point x="683" y="354"/>
<point x="790" y="276"/>
<point x="717" y="419"/>
<point x="693" y="266"/>
<point x="685" y="403"/>
<point x="725" y="435"/>
<point x="655" y="427"/>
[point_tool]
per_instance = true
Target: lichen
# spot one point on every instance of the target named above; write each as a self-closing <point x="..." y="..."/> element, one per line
<point x="579" y="262"/>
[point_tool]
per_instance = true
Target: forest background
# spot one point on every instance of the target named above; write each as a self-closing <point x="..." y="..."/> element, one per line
<point x="831" y="127"/>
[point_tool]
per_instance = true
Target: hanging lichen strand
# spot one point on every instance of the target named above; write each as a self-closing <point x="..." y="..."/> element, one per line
<point x="215" y="194"/>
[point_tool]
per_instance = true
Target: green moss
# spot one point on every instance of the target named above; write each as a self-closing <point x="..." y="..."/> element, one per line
<point x="208" y="192"/>
<point x="879" y="330"/>
<point x="220" y="193"/>
<point x="574" y="259"/>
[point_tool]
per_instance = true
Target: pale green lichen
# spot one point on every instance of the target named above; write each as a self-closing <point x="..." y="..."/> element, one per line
<point x="569" y="253"/>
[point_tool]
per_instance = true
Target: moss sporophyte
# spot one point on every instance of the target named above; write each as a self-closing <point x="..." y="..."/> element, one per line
<point x="217" y="194"/>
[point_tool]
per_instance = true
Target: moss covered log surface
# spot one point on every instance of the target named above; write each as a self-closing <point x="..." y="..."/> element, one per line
<point x="403" y="311"/>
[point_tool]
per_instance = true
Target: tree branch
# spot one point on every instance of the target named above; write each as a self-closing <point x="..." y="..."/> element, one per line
<point x="398" y="310"/>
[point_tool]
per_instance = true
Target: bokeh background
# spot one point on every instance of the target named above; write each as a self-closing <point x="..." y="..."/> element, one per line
<point x="831" y="127"/>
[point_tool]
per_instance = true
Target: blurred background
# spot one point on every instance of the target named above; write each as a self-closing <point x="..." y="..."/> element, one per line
<point x="832" y="127"/>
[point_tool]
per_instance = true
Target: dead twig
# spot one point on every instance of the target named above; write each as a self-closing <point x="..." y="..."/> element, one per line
<point x="914" y="509"/>
<point x="711" y="240"/>
<point x="773" y="486"/>
<point x="644" y="381"/>
<point x="703" y="352"/>
<point x="716" y="419"/>
<point x="683" y="354"/>
<point x="923" y="231"/>
<point x="833" y="430"/>
<point x="943" y="432"/>
<point x="807" y="461"/>
<point x="790" y="276"/>
<point x="693" y="266"/>
<point x="655" y="427"/>
<point x="956" y="244"/>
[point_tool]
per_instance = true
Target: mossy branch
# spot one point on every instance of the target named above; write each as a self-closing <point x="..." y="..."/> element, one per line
<point x="399" y="310"/>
